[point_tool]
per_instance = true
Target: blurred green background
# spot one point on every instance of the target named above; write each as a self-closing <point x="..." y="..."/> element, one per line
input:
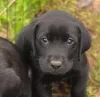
<point x="14" y="14"/>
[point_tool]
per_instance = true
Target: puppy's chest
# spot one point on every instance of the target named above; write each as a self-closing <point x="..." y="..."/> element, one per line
<point x="61" y="89"/>
<point x="61" y="86"/>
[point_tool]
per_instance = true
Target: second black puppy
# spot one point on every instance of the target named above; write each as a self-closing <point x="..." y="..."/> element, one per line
<point x="14" y="81"/>
<point x="54" y="46"/>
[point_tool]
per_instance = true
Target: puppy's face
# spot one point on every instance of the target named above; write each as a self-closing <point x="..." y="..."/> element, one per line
<point x="57" y="45"/>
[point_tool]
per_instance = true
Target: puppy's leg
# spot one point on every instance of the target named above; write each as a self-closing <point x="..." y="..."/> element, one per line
<point x="43" y="91"/>
<point x="79" y="86"/>
<point x="9" y="83"/>
<point x="39" y="89"/>
<point x="26" y="89"/>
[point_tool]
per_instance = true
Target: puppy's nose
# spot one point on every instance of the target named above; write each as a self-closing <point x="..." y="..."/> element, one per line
<point x="56" y="61"/>
<point x="56" y="64"/>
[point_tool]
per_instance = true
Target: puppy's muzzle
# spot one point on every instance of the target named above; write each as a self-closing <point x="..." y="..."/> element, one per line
<point x="56" y="61"/>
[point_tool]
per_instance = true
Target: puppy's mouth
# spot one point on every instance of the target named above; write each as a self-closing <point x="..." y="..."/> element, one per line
<point x="56" y="69"/>
<point x="55" y="72"/>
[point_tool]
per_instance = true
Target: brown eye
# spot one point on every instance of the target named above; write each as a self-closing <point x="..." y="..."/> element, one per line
<point x="44" y="40"/>
<point x="70" y="41"/>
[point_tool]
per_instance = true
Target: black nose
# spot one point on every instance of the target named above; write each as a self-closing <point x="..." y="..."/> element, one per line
<point x="56" y="61"/>
<point x="55" y="66"/>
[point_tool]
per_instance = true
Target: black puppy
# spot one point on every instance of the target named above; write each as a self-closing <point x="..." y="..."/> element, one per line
<point x="14" y="81"/>
<point x="54" y="46"/>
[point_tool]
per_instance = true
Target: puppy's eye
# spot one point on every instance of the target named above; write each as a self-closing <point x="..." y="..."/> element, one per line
<point x="70" y="41"/>
<point x="44" y="40"/>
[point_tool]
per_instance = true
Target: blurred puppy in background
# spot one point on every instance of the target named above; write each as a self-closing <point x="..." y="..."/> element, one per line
<point x="14" y="81"/>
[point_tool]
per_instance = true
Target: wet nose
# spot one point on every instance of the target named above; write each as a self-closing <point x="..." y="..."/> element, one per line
<point x="56" y="61"/>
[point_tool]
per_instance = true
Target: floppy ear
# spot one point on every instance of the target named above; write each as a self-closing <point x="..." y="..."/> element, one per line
<point x="85" y="39"/>
<point x="25" y="41"/>
<point x="84" y="43"/>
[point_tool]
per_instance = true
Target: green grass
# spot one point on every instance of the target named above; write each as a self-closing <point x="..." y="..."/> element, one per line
<point x="19" y="14"/>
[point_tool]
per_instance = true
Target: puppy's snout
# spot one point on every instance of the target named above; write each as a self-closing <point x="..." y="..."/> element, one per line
<point x="56" y="61"/>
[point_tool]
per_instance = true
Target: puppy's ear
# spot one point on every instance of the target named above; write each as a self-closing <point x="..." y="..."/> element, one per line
<point x="26" y="40"/>
<point x="85" y="39"/>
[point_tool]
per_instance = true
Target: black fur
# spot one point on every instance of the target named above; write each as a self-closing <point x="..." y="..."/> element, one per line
<point x="14" y="81"/>
<point x="53" y="46"/>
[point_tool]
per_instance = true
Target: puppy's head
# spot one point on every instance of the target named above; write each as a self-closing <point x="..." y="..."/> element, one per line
<point x="59" y="40"/>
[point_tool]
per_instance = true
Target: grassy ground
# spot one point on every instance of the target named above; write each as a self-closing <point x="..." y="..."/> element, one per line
<point x="14" y="14"/>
